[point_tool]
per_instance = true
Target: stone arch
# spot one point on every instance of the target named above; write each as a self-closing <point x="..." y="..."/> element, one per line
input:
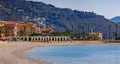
<point x="64" y="38"/>
<point x="61" y="39"/>
<point x="22" y="38"/>
<point x="25" y="39"/>
<point x="39" y="38"/>
<point x="33" y="38"/>
<point x="52" y="39"/>
<point x="49" y="38"/>
<point x="29" y="39"/>
<point x="36" y="39"/>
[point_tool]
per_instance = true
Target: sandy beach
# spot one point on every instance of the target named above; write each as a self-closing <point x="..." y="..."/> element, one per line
<point x="13" y="52"/>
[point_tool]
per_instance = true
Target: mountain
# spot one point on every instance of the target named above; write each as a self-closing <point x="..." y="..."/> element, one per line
<point x="116" y="19"/>
<point x="58" y="18"/>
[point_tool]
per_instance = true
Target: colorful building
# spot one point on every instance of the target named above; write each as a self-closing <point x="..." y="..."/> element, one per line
<point x="22" y="28"/>
<point x="11" y="29"/>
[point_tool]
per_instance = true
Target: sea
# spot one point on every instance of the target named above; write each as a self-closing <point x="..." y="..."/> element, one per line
<point x="83" y="54"/>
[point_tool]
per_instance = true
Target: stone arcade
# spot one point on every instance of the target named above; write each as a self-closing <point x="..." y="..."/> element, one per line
<point x="41" y="38"/>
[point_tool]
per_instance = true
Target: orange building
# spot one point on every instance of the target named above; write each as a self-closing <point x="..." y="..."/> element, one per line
<point x="11" y="29"/>
<point x="16" y="28"/>
<point x="2" y="23"/>
<point x="27" y="27"/>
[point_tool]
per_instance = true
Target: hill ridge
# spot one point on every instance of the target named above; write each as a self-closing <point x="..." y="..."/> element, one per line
<point x="58" y="18"/>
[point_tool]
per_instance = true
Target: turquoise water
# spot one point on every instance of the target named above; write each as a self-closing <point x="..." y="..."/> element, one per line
<point x="90" y="54"/>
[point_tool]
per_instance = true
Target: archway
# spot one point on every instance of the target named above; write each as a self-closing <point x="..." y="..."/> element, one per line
<point x="21" y="38"/>
<point x="39" y="38"/>
<point x="29" y="38"/>
<point x="52" y="39"/>
<point x="25" y="39"/>
<point x="60" y="39"/>
<point x="49" y="39"/>
<point x="36" y="38"/>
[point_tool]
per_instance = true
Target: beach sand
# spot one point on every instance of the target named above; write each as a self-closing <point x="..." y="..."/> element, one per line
<point x="13" y="52"/>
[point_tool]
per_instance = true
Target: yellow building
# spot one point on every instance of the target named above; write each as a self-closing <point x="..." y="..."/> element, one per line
<point x="27" y="27"/>
<point x="95" y="36"/>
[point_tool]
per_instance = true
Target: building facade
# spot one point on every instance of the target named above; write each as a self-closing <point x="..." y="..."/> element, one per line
<point x="22" y="28"/>
<point x="95" y="36"/>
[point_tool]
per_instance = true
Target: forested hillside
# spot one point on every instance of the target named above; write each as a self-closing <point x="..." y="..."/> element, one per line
<point x="58" y="18"/>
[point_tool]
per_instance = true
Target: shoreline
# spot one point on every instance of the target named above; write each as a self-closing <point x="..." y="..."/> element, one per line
<point x="14" y="52"/>
<point x="21" y="54"/>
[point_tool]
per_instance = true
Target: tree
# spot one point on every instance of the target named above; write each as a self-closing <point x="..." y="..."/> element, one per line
<point x="36" y="34"/>
<point x="22" y="33"/>
<point x="83" y="33"/>
<point x="116" y="31"/>
<point x="2" y="31"/>
<point x="109" y="28"/>
<point x="78" y="28"/>
<point x="72" y="27"/>
<point x="68" y="33"/>
<point x="88" y="28"/>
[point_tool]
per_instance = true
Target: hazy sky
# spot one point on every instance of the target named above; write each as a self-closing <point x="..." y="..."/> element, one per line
<point x="108" y="8"/>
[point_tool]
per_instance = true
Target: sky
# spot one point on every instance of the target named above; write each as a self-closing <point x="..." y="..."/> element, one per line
<point x="107" y="8"/>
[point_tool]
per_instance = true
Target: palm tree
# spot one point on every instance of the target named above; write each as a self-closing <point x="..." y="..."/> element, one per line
<point x="88" y="28"/>
<point x="78" y="28"/>
<point x="116" y="30"/>
<point x="83" y="33"/>
<point x="72" y="28"/>
<point x="109" y="28"/>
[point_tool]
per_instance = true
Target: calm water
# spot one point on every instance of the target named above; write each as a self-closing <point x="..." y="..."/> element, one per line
<point x="92" y="54"/>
